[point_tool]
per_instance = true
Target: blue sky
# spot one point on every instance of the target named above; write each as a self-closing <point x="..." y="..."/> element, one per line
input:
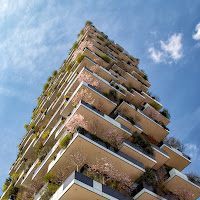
<point x="36" y="36"/>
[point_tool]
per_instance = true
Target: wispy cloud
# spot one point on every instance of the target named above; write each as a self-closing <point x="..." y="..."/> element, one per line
<point x="170" y="50"/>
<point x="196" y="36"/>
<point x="192" y="151"/>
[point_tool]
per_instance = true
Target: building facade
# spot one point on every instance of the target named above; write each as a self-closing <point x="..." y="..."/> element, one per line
<point x="97" y="133"/>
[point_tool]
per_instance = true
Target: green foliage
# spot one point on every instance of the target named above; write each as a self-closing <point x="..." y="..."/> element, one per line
<point x="145" y="77"/>
<point x="43" y="152"/>
<point x="139" y="140"/>
<point x="49" y="79"/>
<point x="105" y="36"/>
<point x="6" y="184"/>
<point x="51" y="189"/>
<point x="137" y="59"/>
<point x="155" y="105"/>
<point x="12" y="190"/>
<point x="68" y="67"/>
<point x="58" y="95"/>
<point x="15" y="176"/>
<point x="54" y="73"/>
<point x="64" y="141"/>
<point x="28" y="165"/>
<point x="80" y="58"/>
<point x="48" y="177"/>
<point x="38" y="148"/>
<point x="149" y="177"/>
<point x="101" y="38"/>
<point x="81" y="32"/>
<point x="81" y="130"/>
<point x="113" y="95"/>
<point x="26" y="126"/>
<point x="105" y="58"/>
<point x="75" y="45"/>
<point x="45" y="87"/>
<point x="45" y="134"/>
<point x="165" y="113"/>
<point x="88" y="22"/>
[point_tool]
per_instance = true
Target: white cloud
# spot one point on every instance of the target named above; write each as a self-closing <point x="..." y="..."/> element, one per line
<point x="170" y="50"/>
<point x="156" y="55"/>
<point x="192" y="151"/>
<point x="196" y="36"/>
<point x="173" y="46"/>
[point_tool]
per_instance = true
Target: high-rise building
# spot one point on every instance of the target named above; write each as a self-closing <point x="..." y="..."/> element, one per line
<point x="97" y="133"/>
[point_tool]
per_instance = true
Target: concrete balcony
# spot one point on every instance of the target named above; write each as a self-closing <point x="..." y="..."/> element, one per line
<point x="137" y="153"/>
<point x="126" y="122"/>
<point x="93" y="115"/>
<point x="136" y="75"/>
<point x="20" y="167"/>
<point x="146" y="192"/>
<point x="160" y="155"/>
<point x="149" y="126"/>
<point x="93" y="66"/>
<point x="28" y="176"/>
<point x="150" y="100"/>
<point x="28" y="141"/>
<point x="42" y="168"/>
<point x="89" y="53"/>
<point x="178" y="180"/>
<point x="95" y="95"/>
<point x="104" y="86"/>
<point x="28" y="153"/>
<point x="152" y="112"/>
<point x="121" y="161"/>
<point x="177" y="159"/>
<point x="135" y="82"/>
<point x="18" y="182"/>
<point x="79" y="186"/>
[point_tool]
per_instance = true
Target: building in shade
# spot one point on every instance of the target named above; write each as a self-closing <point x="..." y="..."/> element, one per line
<point x="97" y="133"/>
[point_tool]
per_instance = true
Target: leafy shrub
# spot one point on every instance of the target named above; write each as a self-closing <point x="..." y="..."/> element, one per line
<point x="81" y="130"/>
<point x="45" y="134"/>
<point x="149" y="177"/>
<point x="141" y="142"/>
<point x="88" y="22"/>
<point x="145" y="77"/>
<point x="105" y="58"/>
<point x="81" y="32"/>
<point x="28" y="165"/>
<point x="49" y="79"/>
<point x="43" y="152"/>
<point x="54" y="73"/>
<point x="101" y="38"/>
<point x="48" y="177"/>
<point x="12" y="190"/>
<point x="6" y="184"/>
<point x="165" y="113"/>
<point x="15" y="176"/>
<point x="75" y="45"/>
<point x="137" y="59"/>
<point x="26" y="126"/>
<point x="113" y="95"/>
<point x="45" y="87"/>
<point x="155" y="105"/>
<point x="50" y="190"/>
<point x="64" y="141"/>
<point x="80" y="58"/>
<point x="105" y="36"/>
